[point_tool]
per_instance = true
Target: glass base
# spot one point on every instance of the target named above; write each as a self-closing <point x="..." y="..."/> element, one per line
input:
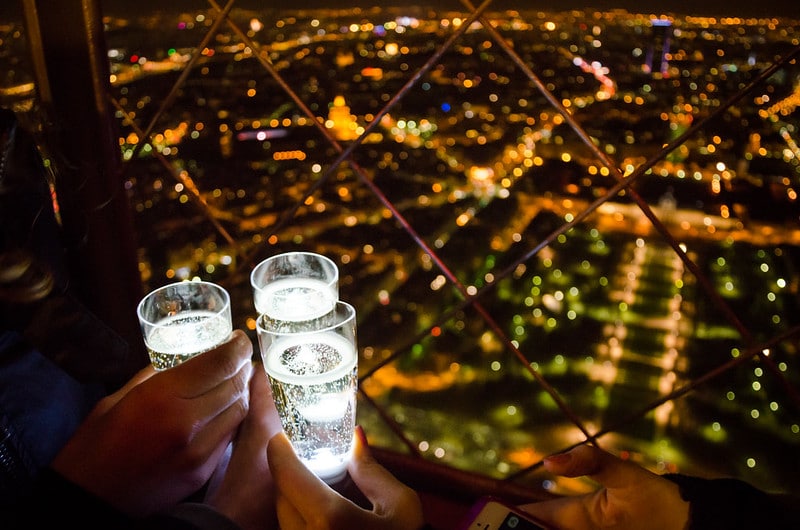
<point x="331" y="480"/>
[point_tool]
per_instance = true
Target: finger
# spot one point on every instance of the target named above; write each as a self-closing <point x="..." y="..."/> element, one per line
<point x="384" y="491"/>
<point x="247" y="476"/>
<point x="573" y="463"/>
<point x="139" y="377"/>
<point x="203" y="372"/>
<point x="218" y="413"/>
<point x="227" y="392"/>
<point x="211" y="457"/>
<point x="112" y="399"/>
<point x="262" y="421"/>
<point x="288" y="516"/>
<point x="262" y="399"/>
<point x="300" y="487"/>
<point x="599" y="465"/>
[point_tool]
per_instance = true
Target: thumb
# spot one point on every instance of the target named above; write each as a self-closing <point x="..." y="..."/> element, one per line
<point x="292" y="478"/>
<point x="112" y="399"/>
<point x="386" y="493"/>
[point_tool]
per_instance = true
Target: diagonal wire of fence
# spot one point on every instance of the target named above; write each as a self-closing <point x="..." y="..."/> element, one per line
<point x="625" y="181"/>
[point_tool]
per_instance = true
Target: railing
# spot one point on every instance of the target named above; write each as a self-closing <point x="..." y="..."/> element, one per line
<point x="564" y="357"/>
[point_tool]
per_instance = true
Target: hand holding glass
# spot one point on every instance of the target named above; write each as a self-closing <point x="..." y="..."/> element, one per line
<point x="183" y="319"/>
<point x="313" y="370"/>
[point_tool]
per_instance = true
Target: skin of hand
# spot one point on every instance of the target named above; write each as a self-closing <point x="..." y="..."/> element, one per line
<point x="159" y="438"/>
<point x="245" y="493"/>
<point x="630" y="496"/>
<point x="304" y="502"/>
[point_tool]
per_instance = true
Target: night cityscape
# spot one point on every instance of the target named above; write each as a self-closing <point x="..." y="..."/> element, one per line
<point x="483" y="168"/>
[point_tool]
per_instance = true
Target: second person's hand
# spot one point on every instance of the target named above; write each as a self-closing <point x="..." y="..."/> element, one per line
<point x="629" y="498"/>
<point x="305" y="502"/>
<point x="245" y="493"/>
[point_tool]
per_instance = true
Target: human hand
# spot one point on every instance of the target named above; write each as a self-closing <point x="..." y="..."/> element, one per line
<point x="304" y="502"/>
<point x="630" y="497"/>
<point x="245" y="494"/>
<point x="158" y="439"/>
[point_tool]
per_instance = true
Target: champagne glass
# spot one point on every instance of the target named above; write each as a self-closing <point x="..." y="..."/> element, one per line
<point x="312" y="367"/>
<point x="295" y="286"/>
<point x="184" y="319"/>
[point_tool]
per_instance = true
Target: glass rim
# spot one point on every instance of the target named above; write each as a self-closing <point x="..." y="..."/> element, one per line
<point x="350" y="316"/>
<point x="323" y="258"/>
<point x="217" y="312"/>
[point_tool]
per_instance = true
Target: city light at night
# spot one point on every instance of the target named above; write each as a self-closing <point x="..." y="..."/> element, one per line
<point x="476" y="164"/>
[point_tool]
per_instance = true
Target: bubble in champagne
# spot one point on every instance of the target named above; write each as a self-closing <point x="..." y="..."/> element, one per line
<point x="310" y="358"/>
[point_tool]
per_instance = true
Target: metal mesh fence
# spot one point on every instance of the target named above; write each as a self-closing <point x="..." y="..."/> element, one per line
<point x="556" y="227"/>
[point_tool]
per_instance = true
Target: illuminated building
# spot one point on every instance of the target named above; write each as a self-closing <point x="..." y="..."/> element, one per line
<point x="341" y="123"/>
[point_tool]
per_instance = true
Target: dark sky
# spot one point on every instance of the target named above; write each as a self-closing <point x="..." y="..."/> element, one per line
<point x="717" y="7"/>
<point x="700" y="7"/>
<point x="761" y="8"/>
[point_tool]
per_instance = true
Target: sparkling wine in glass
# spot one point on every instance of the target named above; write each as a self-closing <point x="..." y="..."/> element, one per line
<point x="184" y="319"/>
<point x="313" y="370"/>
<point x="295" y="286"/>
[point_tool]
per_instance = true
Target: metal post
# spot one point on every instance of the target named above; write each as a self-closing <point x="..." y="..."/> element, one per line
<point x="70" y="63"/>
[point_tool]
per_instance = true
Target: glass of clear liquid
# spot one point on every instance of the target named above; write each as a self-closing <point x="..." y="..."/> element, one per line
<point x="184" y="319"/>
<point x="312" y="367"/>
<point x="295" y="286"/>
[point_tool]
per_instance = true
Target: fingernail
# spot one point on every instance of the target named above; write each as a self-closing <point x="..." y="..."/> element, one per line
<point x="362" y="436"/>
<point x="560" y="458"/>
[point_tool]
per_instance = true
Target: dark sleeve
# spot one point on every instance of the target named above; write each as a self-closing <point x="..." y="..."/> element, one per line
<point x="734" y="504"/>
<point x="187" y="516"/>
<point x="55" y="502"/>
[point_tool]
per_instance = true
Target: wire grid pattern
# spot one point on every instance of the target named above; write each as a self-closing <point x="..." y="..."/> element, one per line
<point x="441" y="270"/>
